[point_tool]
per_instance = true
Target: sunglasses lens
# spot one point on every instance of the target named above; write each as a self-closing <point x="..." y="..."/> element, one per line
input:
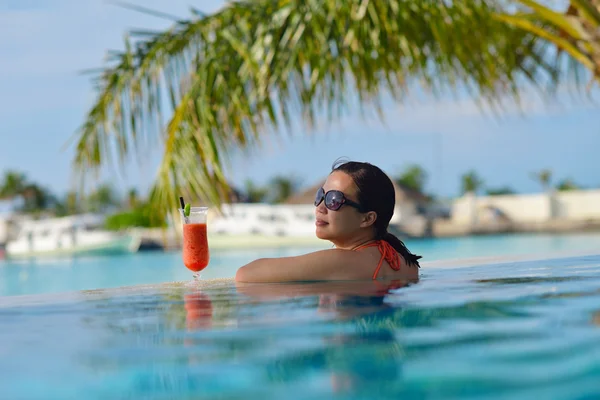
<point x="319" y="196"/>
<point x="334" y="200"/>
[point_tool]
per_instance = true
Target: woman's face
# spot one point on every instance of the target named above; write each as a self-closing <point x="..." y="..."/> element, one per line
<point x="344" y="223"/>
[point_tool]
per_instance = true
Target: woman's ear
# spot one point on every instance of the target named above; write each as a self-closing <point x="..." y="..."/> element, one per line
<point x="369" y="219"/>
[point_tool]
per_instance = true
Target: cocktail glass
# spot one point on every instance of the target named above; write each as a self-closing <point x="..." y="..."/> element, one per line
<point x="195" y="240"/>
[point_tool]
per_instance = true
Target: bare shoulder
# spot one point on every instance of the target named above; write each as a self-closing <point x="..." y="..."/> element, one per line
<point x="331" y="264"/>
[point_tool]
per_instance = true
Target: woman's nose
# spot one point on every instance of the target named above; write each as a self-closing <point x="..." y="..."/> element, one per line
<point x="321" y="209"/>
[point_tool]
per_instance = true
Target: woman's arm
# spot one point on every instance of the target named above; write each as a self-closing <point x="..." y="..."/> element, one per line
<point x="361" y="287"/>
<point x="333" y="264"/>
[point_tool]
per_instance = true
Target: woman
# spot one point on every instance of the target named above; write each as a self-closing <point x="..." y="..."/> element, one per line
<point x="353" y="211"/>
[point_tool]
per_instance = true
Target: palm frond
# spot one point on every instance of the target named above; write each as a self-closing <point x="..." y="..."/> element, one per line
<point x="144" y="10"/>
<point x="218" y="82"/>
<point x="575" y="32"/>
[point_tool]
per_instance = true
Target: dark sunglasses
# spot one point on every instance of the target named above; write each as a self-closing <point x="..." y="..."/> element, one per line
<point x="334" y="200"/>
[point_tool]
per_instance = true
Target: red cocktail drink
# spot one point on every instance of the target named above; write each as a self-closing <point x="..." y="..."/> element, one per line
<point x="195" y="241"/>
<point x="195" y="247"/>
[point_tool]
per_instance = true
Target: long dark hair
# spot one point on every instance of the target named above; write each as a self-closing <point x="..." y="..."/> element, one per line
<point x="376" y="193"/>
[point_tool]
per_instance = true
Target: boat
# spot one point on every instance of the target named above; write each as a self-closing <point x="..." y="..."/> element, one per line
<point x="69" y="236"/>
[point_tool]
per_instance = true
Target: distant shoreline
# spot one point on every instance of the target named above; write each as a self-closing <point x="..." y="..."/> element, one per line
<point x="442" y="228"/>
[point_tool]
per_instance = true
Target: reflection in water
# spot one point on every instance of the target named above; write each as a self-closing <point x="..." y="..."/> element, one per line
<point x="361" y="355"/>
<point x="596" y="318"/>
<point x="530" y="279"/>
<point x="353" y="345"/>
<point x="348" y="336"/>
<point x="198" y="315"/>
<point x="438" y="339"/>
<point x="199" y="311"/>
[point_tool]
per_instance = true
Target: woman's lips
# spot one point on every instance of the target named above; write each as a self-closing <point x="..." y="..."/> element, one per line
<point x="320" y="223"/>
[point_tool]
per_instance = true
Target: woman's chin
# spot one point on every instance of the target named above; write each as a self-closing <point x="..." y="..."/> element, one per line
<point x="321" y="233"/>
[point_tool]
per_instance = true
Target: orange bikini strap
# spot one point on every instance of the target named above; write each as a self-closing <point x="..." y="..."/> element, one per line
<point x="388" y="253"/>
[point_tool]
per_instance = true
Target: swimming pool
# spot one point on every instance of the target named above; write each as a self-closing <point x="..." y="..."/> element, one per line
<point x="63" y="275"/>
<point x="498" y="331"/>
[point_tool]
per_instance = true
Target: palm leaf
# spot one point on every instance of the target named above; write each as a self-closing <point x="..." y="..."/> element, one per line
<point x="575" y="32"/>
<point x="588" y="9"/>
<point x="215" y="83"/>
<point x="561" y="21"/>
<point x="561" y="43"/>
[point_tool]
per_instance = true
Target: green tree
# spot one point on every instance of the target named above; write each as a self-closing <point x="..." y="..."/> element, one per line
<point x="70" y="204"/>
<point x="471" y="182"/>
<point x="13" y="184"/>
<point x="235" y="75"/>
<point x="254" y="193"/>
<point x="567" y="185"/>
<point x="36" y="198"/>
<point x="132" y="198"/>
<point x="544" y="178"/>
<point x="500" y="191"/>
<point x="413" y="177"/>
<point x="282" y="187"/>
<point x="102" y="199"/>
<point x="142" y="216"/>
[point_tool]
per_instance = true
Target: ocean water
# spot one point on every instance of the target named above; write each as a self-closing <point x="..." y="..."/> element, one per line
<point x="70" y="274"/>
<point x="516" y="330"/>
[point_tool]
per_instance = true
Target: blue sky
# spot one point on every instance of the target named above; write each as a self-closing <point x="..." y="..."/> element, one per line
<point x="43" y="99"/>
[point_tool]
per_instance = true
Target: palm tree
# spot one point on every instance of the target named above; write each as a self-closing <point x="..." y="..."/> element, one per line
<point x="282" y="187"/>
<point x="102" y="199"/>
<point x="132" y="198"/>
<point x="72" y="203"/>
<point x="471" y="182"/>
<point x="69" y="205"/>
<point x="413" y="177"/>
<point x="250" y="68"/>
<point x="13" y="184"/>
<point x="544" y="178"/>
<point x="254" y="193"/>
<point x="575" y="32"/>
<point x="35" y="198"/>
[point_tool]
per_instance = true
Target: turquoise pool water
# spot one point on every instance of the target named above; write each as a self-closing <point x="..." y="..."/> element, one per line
<point x="518" y="330"/>
<point x="62" y="275"/>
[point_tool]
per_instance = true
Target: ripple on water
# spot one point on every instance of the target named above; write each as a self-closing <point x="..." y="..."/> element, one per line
<point x="502" y="331"/>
